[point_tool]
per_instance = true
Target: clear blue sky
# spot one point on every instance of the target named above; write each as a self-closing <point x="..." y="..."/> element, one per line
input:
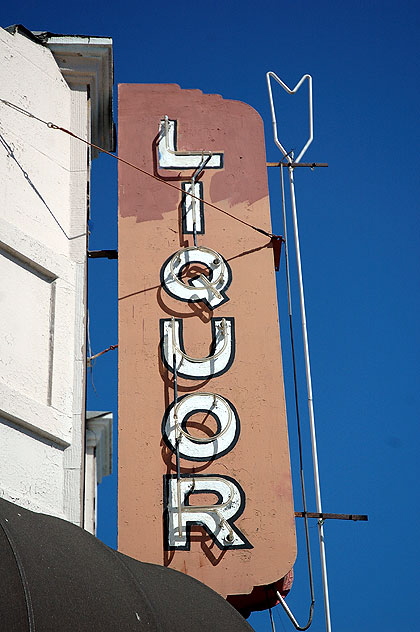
<point x="359" y="222"/>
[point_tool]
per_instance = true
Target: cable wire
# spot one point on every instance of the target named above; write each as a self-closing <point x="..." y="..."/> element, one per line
<point x="273" y="626"/>
<point x="177" y="456"/>
<point x="297" y="409"/>
<point x="136" y="167"/>
<point x="310" y="402"/>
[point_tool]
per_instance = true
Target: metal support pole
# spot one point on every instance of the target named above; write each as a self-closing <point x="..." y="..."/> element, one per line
<point x="310" y="404"/>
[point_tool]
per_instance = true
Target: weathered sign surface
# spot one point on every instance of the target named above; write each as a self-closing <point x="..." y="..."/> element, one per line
<point x="204" y="472"/>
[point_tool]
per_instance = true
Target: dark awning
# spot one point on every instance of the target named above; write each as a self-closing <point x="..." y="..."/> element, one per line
<point x="56" y="577"/>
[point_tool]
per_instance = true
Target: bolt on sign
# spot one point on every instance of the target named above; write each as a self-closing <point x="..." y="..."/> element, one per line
<point x="204" y="472"/>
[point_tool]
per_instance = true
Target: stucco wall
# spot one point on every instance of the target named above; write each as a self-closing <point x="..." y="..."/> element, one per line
<point x="43" y="211"/>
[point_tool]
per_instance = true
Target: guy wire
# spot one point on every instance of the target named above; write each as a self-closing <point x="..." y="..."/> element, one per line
<point x="130" y="164"/>
<point x="296" y="397"/>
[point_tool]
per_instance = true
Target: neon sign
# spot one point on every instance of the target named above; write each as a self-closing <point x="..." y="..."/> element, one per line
<point x="218" y="519"/>
<point x="204" y="472"/>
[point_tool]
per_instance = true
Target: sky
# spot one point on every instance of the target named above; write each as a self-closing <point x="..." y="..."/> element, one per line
<point x="359" y="226"/>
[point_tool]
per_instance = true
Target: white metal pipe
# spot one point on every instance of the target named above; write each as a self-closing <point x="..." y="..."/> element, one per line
<point x="310" y="404"/>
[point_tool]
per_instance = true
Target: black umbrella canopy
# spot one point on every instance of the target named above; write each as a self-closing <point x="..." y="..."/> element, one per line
<point x="56" y="577"/>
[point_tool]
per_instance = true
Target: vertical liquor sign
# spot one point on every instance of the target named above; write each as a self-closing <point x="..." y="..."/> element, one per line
<point x="204" y="472"/>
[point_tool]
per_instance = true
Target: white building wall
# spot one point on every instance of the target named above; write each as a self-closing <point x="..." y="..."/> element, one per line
<point x="44" y="176"/>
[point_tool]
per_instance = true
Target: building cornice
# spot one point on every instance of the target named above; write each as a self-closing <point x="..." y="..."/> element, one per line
<point x="88" y="61"/>
<point x="84" y="61"/>
<point x="99" y="436"/>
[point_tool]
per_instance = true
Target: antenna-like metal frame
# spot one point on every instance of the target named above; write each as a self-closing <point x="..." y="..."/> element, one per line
<point x="273" y="112"/>
<point x="290" y="159"/>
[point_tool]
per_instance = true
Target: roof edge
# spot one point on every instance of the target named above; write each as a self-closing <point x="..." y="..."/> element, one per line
<point x="84" y="60"/>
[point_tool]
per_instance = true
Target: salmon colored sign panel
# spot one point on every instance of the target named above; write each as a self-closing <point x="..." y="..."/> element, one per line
<point x="204" y="472"/>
